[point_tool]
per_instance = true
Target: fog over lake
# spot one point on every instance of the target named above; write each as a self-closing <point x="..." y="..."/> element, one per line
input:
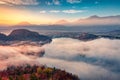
<point x="91" y="60"/>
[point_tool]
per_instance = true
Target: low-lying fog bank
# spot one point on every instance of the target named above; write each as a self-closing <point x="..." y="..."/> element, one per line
<point x="92" y="60"/>
<point x="19" y="53"/>
<point x="96" y="59"/>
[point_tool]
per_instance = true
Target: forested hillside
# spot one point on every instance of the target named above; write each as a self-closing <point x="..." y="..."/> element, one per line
<point x="35" y="73"/>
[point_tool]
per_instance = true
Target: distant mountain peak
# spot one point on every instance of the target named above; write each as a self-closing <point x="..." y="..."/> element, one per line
<point x="94" y="16"/>
<point x="25" y="23"/>
<point x="62" y="21"/>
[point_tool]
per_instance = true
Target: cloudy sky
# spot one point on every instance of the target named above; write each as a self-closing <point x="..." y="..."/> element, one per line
<point x="50" y="11"/>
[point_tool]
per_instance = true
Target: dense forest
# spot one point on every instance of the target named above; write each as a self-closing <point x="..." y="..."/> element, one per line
<point x="35" y="72"/>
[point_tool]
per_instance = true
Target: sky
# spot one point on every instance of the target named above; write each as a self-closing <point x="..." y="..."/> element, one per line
<point x="50" y="11"/>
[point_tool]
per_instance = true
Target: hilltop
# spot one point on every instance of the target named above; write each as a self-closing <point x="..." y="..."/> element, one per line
<point x="24" y="35"/>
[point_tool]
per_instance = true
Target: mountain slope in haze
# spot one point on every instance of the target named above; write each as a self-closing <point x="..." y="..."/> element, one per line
<point x="84" y="36"/>
<point x="87" y="36"/>
<point x="96" y="20"/>
<point x="3" y="36"/>
<point x="114" y="33"/>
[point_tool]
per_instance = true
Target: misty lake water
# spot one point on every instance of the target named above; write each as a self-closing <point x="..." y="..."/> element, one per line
<point x="92" y="60"/>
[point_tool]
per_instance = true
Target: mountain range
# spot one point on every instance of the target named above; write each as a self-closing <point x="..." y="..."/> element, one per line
<point x="89" y="21"/>
<point x="26" y="35"/>
<point x="92" y="20"/>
